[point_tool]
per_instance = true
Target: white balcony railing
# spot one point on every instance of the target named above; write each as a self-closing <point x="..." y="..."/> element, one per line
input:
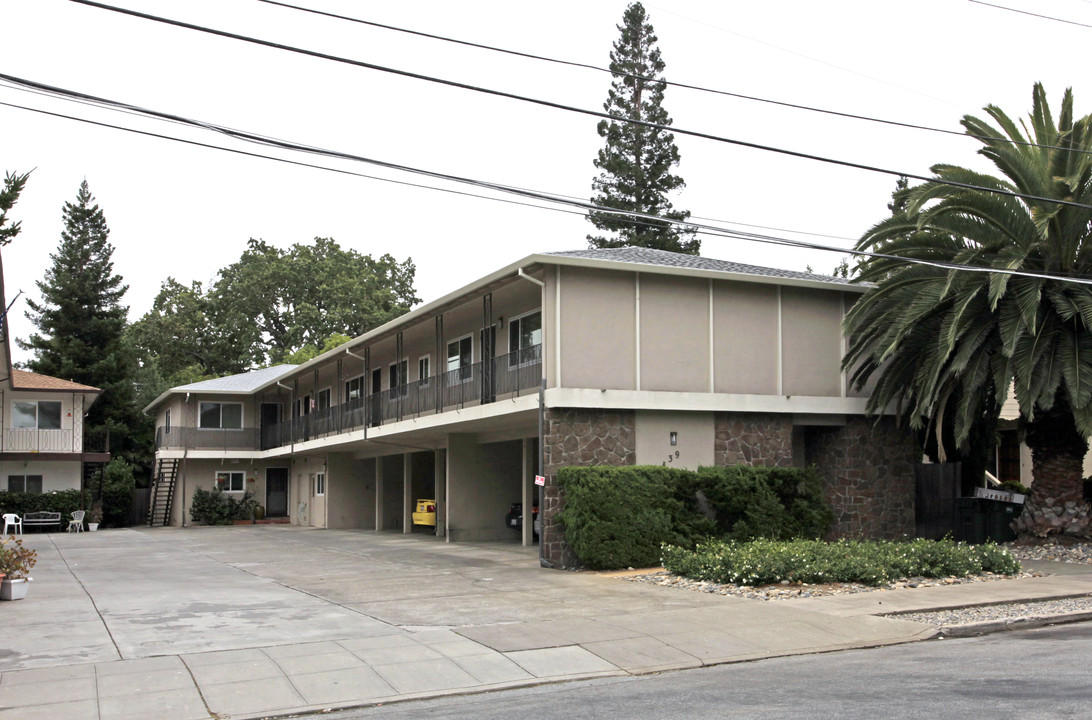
<point x="34" y="440"/>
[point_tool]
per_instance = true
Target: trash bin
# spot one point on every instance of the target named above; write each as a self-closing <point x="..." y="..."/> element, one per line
<point x="999" y="517"/>
<point x="970" y="521"/>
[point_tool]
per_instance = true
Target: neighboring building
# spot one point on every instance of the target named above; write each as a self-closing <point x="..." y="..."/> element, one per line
<point x="643" y="357"/>
<point x="43" y="444"/>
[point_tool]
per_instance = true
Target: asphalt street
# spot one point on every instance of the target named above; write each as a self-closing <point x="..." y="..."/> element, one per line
<point x="1041" y="673"/>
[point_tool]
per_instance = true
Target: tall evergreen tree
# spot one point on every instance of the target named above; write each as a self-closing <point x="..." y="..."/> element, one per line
<point x="636" y="160"/>
<point x="81" y="324"/>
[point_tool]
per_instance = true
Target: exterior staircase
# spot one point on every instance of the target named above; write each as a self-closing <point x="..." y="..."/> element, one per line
<point x="162" y="497"/>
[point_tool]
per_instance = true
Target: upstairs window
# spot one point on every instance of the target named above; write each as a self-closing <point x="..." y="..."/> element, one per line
<point x="354" y="389"/>
<point x="423" y="369"/>
<point x="398" y="375"/>
<point x="460" y="356"/>
<point x="36" y="414"/>
<point x="524" y="333"/>
<point x="324" y="399"/>
<point x="217" y="416"/>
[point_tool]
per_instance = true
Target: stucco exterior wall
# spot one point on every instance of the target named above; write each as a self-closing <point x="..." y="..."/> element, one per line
<point x="694" y="436"/>
<point x="674" y="315"/>
<point x="201" y="473"/>
<point x="598" y="329"/>
<point x="483" y="481"/>
<point x="56" y="474"/>
<point x="745" y="337"/>
<point x="350" y="492"/>
<point x="811" y="342"/>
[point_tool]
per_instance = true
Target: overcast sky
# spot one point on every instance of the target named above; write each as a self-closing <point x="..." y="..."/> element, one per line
<point x="187" y="211"/>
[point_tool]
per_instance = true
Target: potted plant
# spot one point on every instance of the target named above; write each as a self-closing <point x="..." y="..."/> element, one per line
<point x="94" y="516"/>
<point x="15" y="562"/>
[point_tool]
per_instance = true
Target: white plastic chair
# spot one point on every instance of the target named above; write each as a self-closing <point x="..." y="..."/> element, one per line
<point x="14" y="521"/>
<point x="76" y="523"/>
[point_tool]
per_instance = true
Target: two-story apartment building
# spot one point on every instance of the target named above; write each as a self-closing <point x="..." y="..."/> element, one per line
<point x="617" y="356"/>
<point x="43" y="444"/>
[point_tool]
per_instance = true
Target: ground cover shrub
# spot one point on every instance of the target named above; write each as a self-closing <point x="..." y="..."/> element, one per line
<point x="63" y="501"/>
<point x="215" y="507"/>
<point x="870" y="562"/>
<point x="616" y="517"/>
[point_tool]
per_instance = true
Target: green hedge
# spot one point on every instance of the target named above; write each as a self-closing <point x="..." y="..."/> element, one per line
<point x="616" y="517"/>
<point x="215" y="507"/>
<point x="765" y="562"/>
<point x="768" y="502"/>
<point x="63" y="501"/>
<point x="117" y="493"/>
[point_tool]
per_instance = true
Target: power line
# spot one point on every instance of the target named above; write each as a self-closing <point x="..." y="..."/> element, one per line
<point x="658" y="81"/>
<point x="570" y="108"/>
<point x="584" y="206"/>
<point x="1026" y="12"/>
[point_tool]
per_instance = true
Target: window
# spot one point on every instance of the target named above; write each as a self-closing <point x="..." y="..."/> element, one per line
<point x="423" y="369"/>
<point x="230" y="481"/>
<point x="214" y="415"/>
<point x="377" y="381"/>
<point x="460" y="356"/>
<point x="324" y="399"/>
<point x="398" y="372"/>
<point x="40" y="414"/>
<point x="167" y="421"/>
<point x="25" y="483"/>
<point x="354" y="389"/>
<point x="320" y="483"/>
<point x="524" y="334"/>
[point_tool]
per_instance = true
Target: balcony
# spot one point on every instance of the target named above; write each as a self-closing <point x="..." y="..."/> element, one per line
<point x="35" y="440"/>
<point x="207" y="438"/>
<point x="480" y="383"/>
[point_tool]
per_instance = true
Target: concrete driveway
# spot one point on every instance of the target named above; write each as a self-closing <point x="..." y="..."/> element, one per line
<point x="247" y="621"/>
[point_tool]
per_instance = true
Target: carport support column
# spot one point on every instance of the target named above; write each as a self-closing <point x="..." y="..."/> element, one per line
<point x="379" y="493"/>
<point x="439" y="475"/>
<point x="407" y="493"/>
<point x="527" y="497"/>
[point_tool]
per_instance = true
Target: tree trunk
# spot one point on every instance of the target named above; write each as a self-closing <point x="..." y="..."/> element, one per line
<point x="1056" y="505"/>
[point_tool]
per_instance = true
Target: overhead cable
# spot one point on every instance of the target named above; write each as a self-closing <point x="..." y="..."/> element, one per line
<point x="570" y="108"/>
<point x="584" y="206"/>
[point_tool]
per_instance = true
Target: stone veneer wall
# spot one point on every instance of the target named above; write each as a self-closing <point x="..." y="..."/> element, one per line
<point x="868" y="472"/>
<point x="579" y="437"/>
<point x="758" y="439"/>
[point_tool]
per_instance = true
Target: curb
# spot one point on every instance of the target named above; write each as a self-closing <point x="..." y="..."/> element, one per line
<point x="989" y="627"/>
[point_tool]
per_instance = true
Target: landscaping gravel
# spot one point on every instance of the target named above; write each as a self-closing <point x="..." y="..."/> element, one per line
<point x="1072" y="553"/>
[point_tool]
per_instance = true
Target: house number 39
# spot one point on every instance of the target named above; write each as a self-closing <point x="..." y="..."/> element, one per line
<point x="672" y="457"/>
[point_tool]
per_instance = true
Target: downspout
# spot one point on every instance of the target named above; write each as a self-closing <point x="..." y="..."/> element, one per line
<point x="185" y="455"/>
<point x="542" y="561"/>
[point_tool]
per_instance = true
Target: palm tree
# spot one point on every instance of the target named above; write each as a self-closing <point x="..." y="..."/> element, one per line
<point x="944" y="345"/>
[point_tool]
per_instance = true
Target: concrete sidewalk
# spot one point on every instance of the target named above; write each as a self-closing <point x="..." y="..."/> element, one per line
<point x="249" y="622"/>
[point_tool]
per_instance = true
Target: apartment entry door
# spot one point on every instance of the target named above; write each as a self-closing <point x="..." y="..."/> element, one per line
<point x="276" y="492"/>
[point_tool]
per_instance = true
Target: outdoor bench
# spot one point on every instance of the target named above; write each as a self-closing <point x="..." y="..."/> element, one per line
<point x="42" y="518"/>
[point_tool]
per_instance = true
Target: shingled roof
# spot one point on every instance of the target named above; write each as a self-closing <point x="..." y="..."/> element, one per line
<point x="23" y="380"/>
<point x="243" y="382"/>
<point x="663" y="258"/>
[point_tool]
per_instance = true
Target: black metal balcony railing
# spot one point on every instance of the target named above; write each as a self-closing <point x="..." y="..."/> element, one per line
<point x="479" y="383"/>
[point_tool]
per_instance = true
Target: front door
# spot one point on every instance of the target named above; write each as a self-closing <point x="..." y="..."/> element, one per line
<point x="276" y="492"/>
